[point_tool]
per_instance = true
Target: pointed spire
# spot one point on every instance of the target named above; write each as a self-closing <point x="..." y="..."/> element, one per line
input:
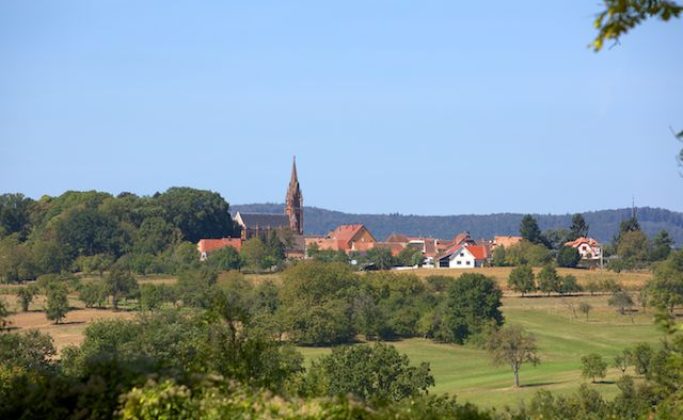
<point x="633" y="207"/>
<point x="295" y="178"/>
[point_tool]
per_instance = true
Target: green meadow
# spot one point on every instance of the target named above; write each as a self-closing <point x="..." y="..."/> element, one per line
<point x="467" y="371"/>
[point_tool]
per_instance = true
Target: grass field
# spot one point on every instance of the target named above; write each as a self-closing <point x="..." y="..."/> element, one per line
<point x="462" y="370"/>
<point x="467" y="371"/>
<point x="630" y="281"/>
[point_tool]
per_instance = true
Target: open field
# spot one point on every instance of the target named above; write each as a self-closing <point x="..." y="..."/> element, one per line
<point x="462" y="370"/>
<point x="70" y="330"/>
<point x="467" y="371"/>
<point x="630" y="280"/>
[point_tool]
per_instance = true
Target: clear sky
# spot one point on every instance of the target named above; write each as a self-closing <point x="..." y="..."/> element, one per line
<point x="437" y="107"/>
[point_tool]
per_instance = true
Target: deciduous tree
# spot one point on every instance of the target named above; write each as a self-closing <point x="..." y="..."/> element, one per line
<point x="617" y="17"/>
<point x="548" y="280"/>
<point x="376" y="373"/>
<point x="473" y="302"/>
<point x="25" y="296"/>
<point x="57" y="302"/>
<point x="513" y="346"/>
<point x="522" y="279"/>
<point x="585" y="308"/>
<point x="120" y="284"/>
<point x="593" y="366"/>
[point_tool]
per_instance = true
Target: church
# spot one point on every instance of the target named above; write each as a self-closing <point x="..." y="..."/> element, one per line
<point x="261" y="224"/>
<point x="289" y="226"/>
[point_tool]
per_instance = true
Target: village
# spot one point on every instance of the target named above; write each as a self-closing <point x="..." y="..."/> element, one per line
<point x="461" y="251"/>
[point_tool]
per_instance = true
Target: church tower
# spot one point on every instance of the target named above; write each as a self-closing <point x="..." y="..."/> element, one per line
<point x="294" y="203"/>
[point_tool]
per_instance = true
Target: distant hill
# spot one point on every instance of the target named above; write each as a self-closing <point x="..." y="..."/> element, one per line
<point x="604" y="224"/>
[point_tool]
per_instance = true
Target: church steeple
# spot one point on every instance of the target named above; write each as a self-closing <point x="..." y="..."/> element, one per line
<point x="294" y="203"/>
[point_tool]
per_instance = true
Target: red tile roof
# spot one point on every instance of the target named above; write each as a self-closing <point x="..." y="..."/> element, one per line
<point x="479" y="252"/>
<point x="346" y="232"/>
<point x="506" y="241"/>
<point x="582" y="240"/>
<point x="398" y="237"/>
<point x="210" y="245"/>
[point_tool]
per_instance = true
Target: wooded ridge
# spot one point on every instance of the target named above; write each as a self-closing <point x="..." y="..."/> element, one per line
<point x="604" y="224"/>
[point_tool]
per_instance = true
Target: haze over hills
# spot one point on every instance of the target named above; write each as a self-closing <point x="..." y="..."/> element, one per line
<point x="604" y="224"/>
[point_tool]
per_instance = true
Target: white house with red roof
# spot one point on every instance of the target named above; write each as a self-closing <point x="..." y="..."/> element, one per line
<point x="588" y="248"/>
<point x="463" y="256"/>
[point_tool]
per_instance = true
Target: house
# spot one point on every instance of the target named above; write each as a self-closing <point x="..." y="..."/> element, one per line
<point x="347" y="238"/>
<point x="588" y="248"/>
<point x="463" y="256"/>
<point x="430" y="247"/>
<point x="505" y="241"/>
<point x="207" y="246"/>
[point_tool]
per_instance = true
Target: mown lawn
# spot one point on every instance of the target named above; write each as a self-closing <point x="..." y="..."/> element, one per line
<point x="467" y="371"/>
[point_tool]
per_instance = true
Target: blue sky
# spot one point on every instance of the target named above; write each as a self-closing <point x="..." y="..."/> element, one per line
<point x="411" y="107"/>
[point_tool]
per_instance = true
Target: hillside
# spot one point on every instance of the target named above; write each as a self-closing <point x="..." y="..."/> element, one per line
<point x="604" y="224"/>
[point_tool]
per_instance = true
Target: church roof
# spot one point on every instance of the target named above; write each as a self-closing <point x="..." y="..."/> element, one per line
<point x="262" y="220"/>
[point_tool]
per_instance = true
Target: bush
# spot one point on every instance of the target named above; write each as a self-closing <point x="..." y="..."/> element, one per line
<point x="569" y="284"/>
<point x="568" y="257"/>
<point x="376" y="373"/>
<point x="93" y="294"/>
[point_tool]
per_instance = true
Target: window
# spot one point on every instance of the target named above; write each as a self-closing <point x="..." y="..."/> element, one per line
<point x="459" y="262"/>
<point x="468" y="263"/>
<point x="462" y="254"/>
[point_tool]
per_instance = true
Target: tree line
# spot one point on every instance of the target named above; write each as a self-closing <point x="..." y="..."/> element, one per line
<point x="629" y="249"/>
<point x="91" y="231"/>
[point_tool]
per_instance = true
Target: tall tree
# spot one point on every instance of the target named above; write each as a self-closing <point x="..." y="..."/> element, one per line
<point x="548" y="280"/>
<point x="87" y="231"/>
<point x="513" y="346"/>
<point x="593" y="366"/>
<point x="57" y="302"/>
<point x="4" y="313"/>
<point x="579" y="228"/>
<point x="522" y="279"/>
<point x="529" y="230"/>
<point x="120" y="283"/>
<point x="376" y="373"/>
<point x="472" y="303"/>
<point x="666" y="287"/>
<point x="633" y="247"/>
<point x="25" y="296"/>
<point x="661" y="246"/>
<point x="14" y="215"/>
<point x="197" y="213"/>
